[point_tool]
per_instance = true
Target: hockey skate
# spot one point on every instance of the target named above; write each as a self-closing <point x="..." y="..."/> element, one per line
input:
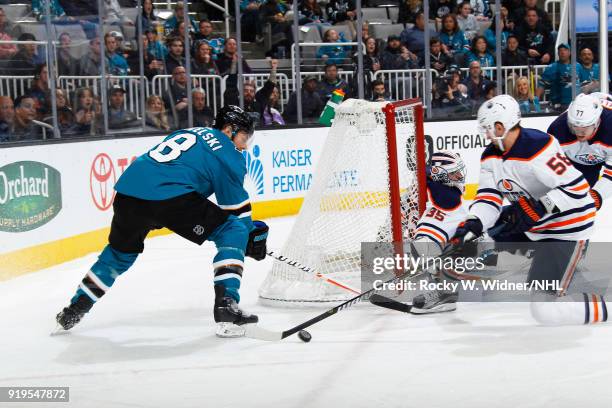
<point x="435" y="301"/>
<point x="229" y="316"/>
<point x="71" y="315"/>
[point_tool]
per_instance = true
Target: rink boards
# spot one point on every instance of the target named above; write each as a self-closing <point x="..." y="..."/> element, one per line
<point x="56" y="199"/>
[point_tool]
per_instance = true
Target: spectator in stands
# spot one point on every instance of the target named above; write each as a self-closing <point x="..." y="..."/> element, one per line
<point x="491" y="32"/>
<point x="379" y="93"/>
<point x="440" y="8"/>
<point x="149" y="19"/>
<point x="89" y="64"/>
<point x="490" y="90"/>
<point x="438" y="59"/>
<point x="476" y="84"/>
<point x="335" y="54"/>
<point x="520" y="14"/>
<point x="271" y="115"/>
<point x="216" y="43"/>
<point x="274" y="13"/>
<point x="513" y="55"/>
<point x="342" y="12"/>
<point x="40" y="90"/>
<point x="589" y="78"/>
<point x="178" y="16"/>
<point x="251" y="104"/>
<point x="202" y="62"/>
<point x="176" y="54"/>
<point x="203" y="116"/>
<point x="408" y="11"/>
<point x="7" y="118"/>
<point x="227" y="63"/>
<point x="481" y="9"/>
<point x="5" y="25"/>
<point x="6" y="50"/>
<point x="414" y="38"/>
<point x="467" y="21"/>
<point x="179" y="32"/>
<point x="250" y="20"/>
<point x="65" y="115"/>
<point x="453" y="40"/>
<point x="371" y="59"/>
<point x="118" y="116"/>
<point x="528" y="102"/>
<point x="85" y="115"/>
<point x="154" y="47"/>
<point x="449" y="94"/>
<point x="330" y="83"/>
<point x="481" y="54"/>
<point x="116" y="63"/>
<point x="67" y="65"/>
<point x="557" y="77"/>
<point x="534" y="39"/>
<point x="156" y="114"/>
<point x="397" y="56"/>
<point x="39" y="9"/>
<point x="312" y="104"/>
<point x="310" y="13"/>
<point x="175" y="97"/>
<point x="26" y="59"/>
<point x="25" y="112"/>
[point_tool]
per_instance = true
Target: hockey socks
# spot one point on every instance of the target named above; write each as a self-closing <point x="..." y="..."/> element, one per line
<point x="581" y="308"/>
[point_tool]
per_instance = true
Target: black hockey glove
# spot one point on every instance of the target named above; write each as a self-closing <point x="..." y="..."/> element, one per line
<point x="468" y="230"/>
<point x="597" y="198"/>
<point x="522" y="215"/>
<point x="256" y="247"/>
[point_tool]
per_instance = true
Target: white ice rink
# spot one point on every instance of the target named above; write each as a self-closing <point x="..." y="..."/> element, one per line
<point x="150" y="343"/>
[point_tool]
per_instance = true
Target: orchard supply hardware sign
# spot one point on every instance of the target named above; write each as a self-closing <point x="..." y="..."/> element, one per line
<point x="30" y="195"/>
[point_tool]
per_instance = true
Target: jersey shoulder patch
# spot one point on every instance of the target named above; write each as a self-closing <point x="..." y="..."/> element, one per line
<point x="443" y="196"/>
<point x="529" y="144"/>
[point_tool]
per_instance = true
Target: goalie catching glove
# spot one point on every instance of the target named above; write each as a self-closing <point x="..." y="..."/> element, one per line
<point x="256" y="247"/>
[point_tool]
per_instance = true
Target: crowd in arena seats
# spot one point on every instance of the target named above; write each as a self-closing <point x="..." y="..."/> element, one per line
<point x="462" y="46"/>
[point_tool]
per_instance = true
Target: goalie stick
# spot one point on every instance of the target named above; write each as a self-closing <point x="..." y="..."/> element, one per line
<point x="255" y="332"/>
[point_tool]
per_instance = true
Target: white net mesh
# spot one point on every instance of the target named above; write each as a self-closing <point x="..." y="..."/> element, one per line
<point x="348" y="203"/>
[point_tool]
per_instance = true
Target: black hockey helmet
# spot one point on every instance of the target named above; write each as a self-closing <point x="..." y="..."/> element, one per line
<point x="236" y="117"/>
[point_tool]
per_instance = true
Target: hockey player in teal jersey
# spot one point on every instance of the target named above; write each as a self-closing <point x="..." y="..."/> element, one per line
<point x="168" y="187"/>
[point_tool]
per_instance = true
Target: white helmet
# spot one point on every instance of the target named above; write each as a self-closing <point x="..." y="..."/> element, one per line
<point x="503" y="109"/>
<point x="583" y="115"/>
<point x="448" y="168"/>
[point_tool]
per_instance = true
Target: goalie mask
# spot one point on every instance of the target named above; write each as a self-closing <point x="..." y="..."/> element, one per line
<point x="583" y="116"/>
<point x="447" y="168"/>
<point x="502" y="109"/>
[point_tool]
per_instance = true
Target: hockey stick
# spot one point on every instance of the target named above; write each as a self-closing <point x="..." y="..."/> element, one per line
<point x="307" y="269"/>
<point x="255" y="332"/>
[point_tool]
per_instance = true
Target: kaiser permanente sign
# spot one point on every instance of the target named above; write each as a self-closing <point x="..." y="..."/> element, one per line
<point x="55" y="199"/>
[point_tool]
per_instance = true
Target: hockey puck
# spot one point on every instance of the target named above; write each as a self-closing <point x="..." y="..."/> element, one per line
<point x="304" y="336"/>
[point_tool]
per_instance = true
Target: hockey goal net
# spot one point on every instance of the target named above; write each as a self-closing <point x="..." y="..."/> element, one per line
<point x="369" y="186"/>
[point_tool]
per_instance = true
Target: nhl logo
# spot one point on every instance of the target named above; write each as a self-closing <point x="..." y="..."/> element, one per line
<point x="198" y="229"/>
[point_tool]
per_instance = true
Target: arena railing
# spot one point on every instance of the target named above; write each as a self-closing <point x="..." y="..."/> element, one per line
<point x="213" y="85"/>
<point x="260" y="79"/>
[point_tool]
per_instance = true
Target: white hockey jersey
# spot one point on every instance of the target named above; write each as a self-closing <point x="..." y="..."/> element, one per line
<point x="589" y="157"/>
<point x="535" y="167"/>
<point x="443" y="212"/>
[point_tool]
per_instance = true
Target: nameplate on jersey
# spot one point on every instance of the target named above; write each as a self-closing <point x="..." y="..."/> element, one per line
<point x="208" y="136"/>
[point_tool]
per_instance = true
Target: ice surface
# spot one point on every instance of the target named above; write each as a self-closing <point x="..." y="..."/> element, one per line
<point x="150" y="343"/>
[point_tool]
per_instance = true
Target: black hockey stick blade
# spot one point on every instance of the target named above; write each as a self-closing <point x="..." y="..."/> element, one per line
<point x="388" y="303"/>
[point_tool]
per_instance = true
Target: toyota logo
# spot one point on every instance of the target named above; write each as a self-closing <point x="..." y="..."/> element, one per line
<point x="102" y="179"/>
